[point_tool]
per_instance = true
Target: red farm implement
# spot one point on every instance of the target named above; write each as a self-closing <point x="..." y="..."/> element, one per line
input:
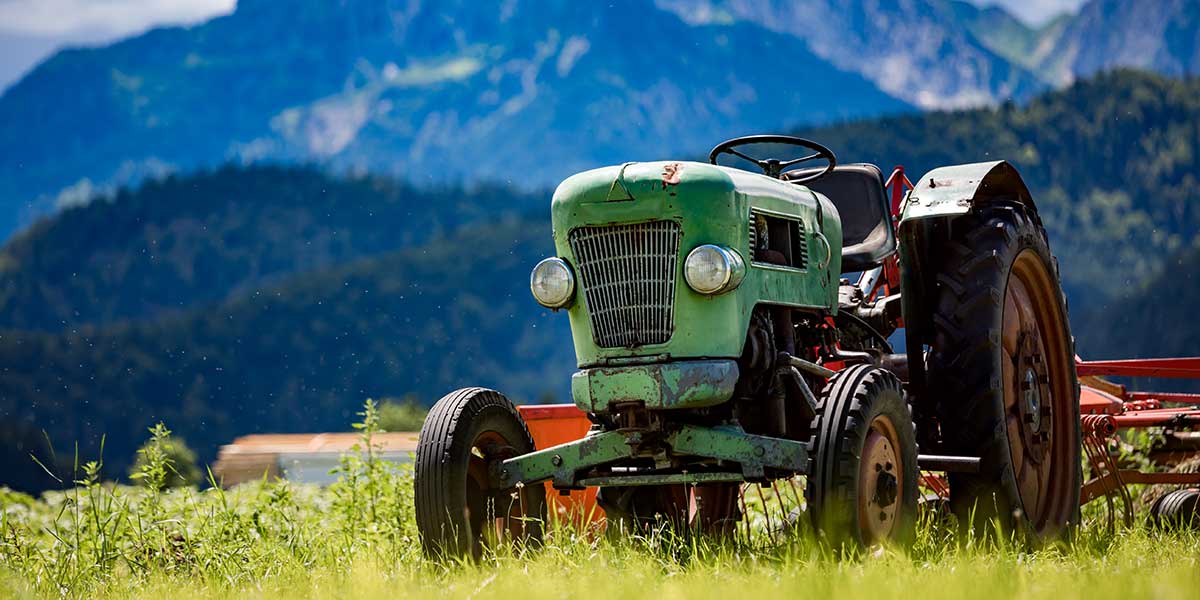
<point x="1107" y="408"/>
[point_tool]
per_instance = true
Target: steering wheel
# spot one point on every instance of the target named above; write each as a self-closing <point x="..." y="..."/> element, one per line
<point x="773" y="167"/>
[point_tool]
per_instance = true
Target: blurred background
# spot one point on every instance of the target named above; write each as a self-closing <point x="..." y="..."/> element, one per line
<point x="249" y="216"/>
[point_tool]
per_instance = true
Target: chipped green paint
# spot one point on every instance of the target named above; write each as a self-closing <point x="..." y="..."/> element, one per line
<point x="697" y="366"/>
<point x="564" y="463"/>
<point x="712" y="205"/>
<point x="671" y="385"/>
<point x="754" y="452"/>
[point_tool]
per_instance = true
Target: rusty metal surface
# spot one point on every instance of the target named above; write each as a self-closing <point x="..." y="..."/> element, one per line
<point x="754" y="452"/>
<point x="563" y="461"/>
<point x="671" y="385"/>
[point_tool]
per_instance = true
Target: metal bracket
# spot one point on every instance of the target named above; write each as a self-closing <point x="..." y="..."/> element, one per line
<point x="564" y="462"/>
<point x="754" y="452"/>
<point x="665" y="479"/>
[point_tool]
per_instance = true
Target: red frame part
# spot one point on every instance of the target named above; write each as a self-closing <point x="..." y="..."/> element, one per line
<point x="1108" y="407"/>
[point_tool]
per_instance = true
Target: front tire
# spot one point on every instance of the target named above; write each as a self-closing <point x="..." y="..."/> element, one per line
<point x="458" y="512"/>
<point x="862" y="484"/>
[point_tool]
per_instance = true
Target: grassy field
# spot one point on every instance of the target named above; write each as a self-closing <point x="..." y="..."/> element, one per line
<point x="357" y="539"/>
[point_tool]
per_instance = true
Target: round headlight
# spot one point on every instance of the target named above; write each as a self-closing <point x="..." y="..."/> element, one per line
<point x="552" y="283"/>
<point x="712" y="269"/>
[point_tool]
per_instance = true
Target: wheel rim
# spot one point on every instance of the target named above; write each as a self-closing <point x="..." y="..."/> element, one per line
<point x="880" y="481"/>
<point x="492" y="515"/>
<point x="1038" y="394"/>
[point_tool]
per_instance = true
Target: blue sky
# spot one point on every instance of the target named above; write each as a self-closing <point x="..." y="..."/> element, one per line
<point x="31" y="30"/>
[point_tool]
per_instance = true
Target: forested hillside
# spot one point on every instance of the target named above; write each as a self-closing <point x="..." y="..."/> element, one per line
<point x="300" y="355"/>
<point x="1113" y="162"/>
<point x="265" y="299"/>
<point x="1154" y="318"/>
<point x="185" y="241"/>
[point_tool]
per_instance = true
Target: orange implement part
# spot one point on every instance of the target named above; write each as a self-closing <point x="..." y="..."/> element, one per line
<point x="1095" y="402"/>
<point x="551" y="425"/>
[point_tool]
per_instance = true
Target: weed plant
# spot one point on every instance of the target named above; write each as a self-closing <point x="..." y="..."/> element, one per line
<point x="357" y="538"/>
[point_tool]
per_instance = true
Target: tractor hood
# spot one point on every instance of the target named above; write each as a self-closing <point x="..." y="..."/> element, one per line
<point x="626" y="215"/>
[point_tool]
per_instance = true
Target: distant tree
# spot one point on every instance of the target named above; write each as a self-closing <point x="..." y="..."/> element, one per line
<point x="403" y="414"/>
<point x="165" y="462"/>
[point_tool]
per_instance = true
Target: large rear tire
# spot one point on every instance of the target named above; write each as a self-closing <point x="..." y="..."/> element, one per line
<point x="458" y="512"/>
<point x="1001" y="365"/>
<point x="862" y="483"/>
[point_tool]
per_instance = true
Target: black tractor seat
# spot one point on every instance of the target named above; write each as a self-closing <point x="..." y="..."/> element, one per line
<point x="857" y="192"/>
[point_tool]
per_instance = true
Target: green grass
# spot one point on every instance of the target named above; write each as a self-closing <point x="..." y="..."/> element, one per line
<point x="357" y="539"/>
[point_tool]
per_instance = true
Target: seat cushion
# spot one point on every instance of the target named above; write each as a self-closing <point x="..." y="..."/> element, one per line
<point x="857" y="192"/>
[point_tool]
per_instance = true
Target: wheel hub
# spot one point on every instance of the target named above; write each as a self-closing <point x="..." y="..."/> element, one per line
<point x="879" y="481"/>
<point x="1033" y="408"/>
<point x="1033" y="399"/>
<point x="886" y="489"/>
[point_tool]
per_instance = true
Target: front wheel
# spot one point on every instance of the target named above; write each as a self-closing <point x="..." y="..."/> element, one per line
<point x="862" y="484"/>
<point x="458" y="511"/>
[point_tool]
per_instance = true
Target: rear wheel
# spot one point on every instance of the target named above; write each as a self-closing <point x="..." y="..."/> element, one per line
<point x="862" y="484"/>
<point x="458" y="511"/>
<point x="1002" y="364"/>
<point x="1177" y="509"/>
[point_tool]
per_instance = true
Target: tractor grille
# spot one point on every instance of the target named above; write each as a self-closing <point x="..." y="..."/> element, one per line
<point x="627" y="273"/>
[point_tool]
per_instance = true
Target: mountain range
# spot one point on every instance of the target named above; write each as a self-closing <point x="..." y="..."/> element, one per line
<point x="527" y="92"/>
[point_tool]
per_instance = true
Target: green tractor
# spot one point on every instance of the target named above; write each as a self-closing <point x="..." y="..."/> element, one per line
<point x="721" y="341"/>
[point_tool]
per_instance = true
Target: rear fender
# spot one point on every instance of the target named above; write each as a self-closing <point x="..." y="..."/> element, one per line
<point x="927" y="216"/>
<point x="957" y="189"/>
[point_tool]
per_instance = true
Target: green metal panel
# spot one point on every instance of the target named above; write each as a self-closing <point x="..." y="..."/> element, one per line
<point x="561" y="462"/>
<point x="754" y="452"/>
<point x="676" y="384"/>
<point x="564" y="462"/>
<point x="712" y="205"/>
